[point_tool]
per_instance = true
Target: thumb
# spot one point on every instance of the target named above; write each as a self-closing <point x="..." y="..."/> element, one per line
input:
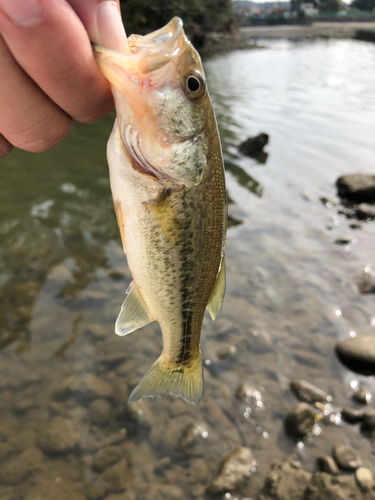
<point x="103" y="23"/>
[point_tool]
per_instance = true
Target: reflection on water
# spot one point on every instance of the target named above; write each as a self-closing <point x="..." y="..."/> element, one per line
<point x="66" y="430"/>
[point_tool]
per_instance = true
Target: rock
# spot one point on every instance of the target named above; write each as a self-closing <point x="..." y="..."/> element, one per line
<point x="368" y="421"/>
<point x="226" y="351"/>
<point x="20" y="468"/>
<point x="300" y="420"/>
<point x="24" y="406"/>
<point x="327" y="486"/>
<point x="86" y="388"/>
<point x="357" y="187"/>
<point x="364" y="478"/>
<point x="248" y="394"/>
<point x="307" y="392"/>
<point x="52" y="490"/>
<point x="161" y="492"/>
<point x="58" y="437"/>
<point x="329" y="202"/>
<point x="113" y="360"/>
<point x="96" y="332"/>
<point x="361" y="395"/>
<point x="366" y="282"/>
<point x="117" y="476"/>
<point x="234" y="471"/>
<point x="254" y="145"/>
<point x="100" y="411"/>
<point x="106" y="457"/>
<point x="190" y="436"/>
<point x="346" y="457"/>
<point x="327" y="464"/>
<point x="96" y="491"/>
<point x="345" y="240"/>
<point x="365" y="211"/>
<point x="358" y="354"/>
<point x="285" y="481"/>
<point x="352" y="415"/>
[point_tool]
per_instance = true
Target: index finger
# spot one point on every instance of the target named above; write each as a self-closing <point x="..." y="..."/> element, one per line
<point x="50" y="43"/>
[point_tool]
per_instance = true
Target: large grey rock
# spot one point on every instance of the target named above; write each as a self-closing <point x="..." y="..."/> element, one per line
<point x="308" y="393"/>
<point x="357" y="187"/>
<point x="346" y="457"/>
<point x="358" y="354"/>
<point x="58" y="437"/>
<point x="300" y="420"/>
<point x="234" y="471"/>
<point x="325" y="486"/>
<point x="285" y="481"/>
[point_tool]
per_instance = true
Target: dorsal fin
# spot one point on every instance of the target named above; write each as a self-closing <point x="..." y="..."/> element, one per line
<point x="133" y="314"/>
<point x="217" y="295"/>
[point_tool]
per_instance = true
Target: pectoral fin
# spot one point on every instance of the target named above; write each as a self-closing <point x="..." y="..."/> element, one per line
<point x="133" y="314"/>
<point x="217" y="295"/>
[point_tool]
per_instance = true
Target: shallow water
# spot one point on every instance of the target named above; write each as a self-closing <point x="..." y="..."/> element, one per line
<point x="291" y="291"/>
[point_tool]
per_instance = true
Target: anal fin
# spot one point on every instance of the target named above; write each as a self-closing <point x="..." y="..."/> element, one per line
<point x="133" y="314"/>
<point x="217" y="295"/>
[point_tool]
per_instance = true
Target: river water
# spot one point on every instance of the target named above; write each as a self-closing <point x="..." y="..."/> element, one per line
<point x="66" y="431"/>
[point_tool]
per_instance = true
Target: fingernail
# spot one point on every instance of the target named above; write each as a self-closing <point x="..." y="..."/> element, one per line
<point x="22" y="12"/>
<point x="110" y="27"/>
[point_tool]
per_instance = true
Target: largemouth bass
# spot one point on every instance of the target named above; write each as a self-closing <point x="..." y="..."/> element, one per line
<point x="168" y="187"/>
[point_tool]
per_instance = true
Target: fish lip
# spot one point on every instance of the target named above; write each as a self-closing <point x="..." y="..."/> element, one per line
<point x="159" y="38"/>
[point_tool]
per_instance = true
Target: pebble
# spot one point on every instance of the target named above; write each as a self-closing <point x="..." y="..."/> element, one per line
<point x="100" y="412"/>
<point x="106" y="457"/>
<point x="366" y="282"/>
<point x="361" y="395"/>
<point x="300" y="420"/>
<point x="346" y="457"/>
<point x="358" y="354"/>
<point x="87" y="387"/>
<point x="345" y="240"/>
<point x="308" y="393"/>
<point x="20" y="468"/>
<point x="368" y="421"/>
<point x="117" y="476"/>
<point x="327" y="464"/>
<point x="235" y="470"/>
<point x="365" y="478"/>
<point x="352" y="415"/>
<point x="57" y="437"/>
<point x="365" y="211"/>
<point x="190" y="436"/>
<point x="226" y="351"/>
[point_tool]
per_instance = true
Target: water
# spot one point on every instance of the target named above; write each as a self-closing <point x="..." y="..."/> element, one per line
<point x="291" y="292"/>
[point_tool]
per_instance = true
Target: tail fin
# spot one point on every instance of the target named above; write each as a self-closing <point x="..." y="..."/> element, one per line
<point x="163" y="377"/>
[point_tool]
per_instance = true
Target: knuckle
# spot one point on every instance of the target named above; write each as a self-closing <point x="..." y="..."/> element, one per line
<point x="45" y="135"/>
<point x="5" y="147"/>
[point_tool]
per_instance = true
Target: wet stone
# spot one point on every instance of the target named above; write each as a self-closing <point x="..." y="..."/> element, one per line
<point x="190" y="436"/>
<point x="361" y="396"/>
<point x="58" y="437"/>
<point x="365" y="211"/>
<point x="346" y="457"/>
<point x="234" y="471"/>
<point x="366" y="282"/>
<point x="117" y="476"/>
<point x="345" y="240"/>
<point x="106" y="457"/>
<point x="327" y="464"/>
<point x="285" y="481"/>
<point x="364" y="478"/>
<point x="300" y="420"/>
<point x="358" y="354"/>
<point x="87" y="387"/>
<point x="325" y="486"/>
<point x="357" y="187"/>
<point x="100" y="412"/>
<point x="368" y="421"/>
<point x="20" y="468"/>
<point x="352" y="415"/>
<point x="308" y="393"/>
<point x="96" y="491"/>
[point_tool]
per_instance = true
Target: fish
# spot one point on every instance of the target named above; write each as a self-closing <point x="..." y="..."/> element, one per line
<point x="168" y="186"/>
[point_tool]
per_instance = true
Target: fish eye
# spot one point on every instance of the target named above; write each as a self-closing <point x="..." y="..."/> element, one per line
<point x="194" y="85"/>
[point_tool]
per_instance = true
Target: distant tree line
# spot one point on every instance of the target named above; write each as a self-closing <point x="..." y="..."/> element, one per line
<point x="368" y="5"/>
<point x="199" y="16"/>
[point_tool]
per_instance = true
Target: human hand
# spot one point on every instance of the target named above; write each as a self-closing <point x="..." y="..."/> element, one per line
<point x="48" y="75"/>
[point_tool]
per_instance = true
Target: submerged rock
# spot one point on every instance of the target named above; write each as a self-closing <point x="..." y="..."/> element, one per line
<point x="107" y="456"/>
<point x="368" y="421"/>
<point x="357" y="187"/>
<point x="365" y="479"/>
<point x="346" y="457"/>
<point x="20" y="468"/>
<point x="361" y="395"/>
<point x="87" y="387"/>
<point x="300" y="420"/>
<point x="366" y="282"/>
<point x="365" y="211"/>
<point x="352" y="415"/>
<point x="327" y="464"/>
<point x="254" y="145"/>
<point x="96" y="491"/>
<point x="58" y="437"/>
<point x="307" y="392"/>
<point x="358" y="354"/>
<point x="100" y="411"/>
<point x="234" y="471"/>
<point x="324" y="486"/>
<point x="285" y="481"/>
<point x="190" y="436"/>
